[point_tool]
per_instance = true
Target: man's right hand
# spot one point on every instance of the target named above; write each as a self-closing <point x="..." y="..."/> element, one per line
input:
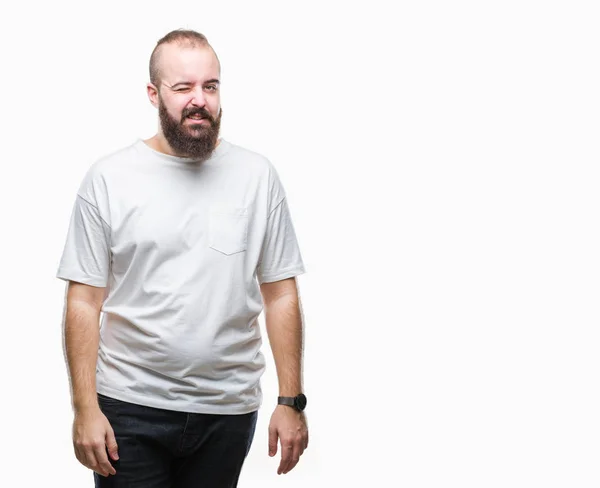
<point x="92" y="436"/>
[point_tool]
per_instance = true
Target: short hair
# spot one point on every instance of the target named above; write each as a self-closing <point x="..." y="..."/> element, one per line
<point x="185" y="37"/>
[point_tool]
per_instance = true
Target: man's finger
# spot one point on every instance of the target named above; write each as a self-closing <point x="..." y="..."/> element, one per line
<point x="287" y="449"/>
<point x="272" y="442"/>
<point x="89" y="458"/>
<point x="103" y="464"/>
<point x="78" y="454"/>
<point x="296" y="453"/>
<point x="82" y="456"/>
<point x="111" y="445"/>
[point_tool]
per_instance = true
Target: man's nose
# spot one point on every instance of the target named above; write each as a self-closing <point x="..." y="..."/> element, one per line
<point x="198" y="98"/>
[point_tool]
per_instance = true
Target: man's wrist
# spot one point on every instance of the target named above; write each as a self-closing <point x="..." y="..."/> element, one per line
<point x="297" y="402"/>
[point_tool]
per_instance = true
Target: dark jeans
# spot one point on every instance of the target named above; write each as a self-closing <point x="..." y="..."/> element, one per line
<point x="168" y="449"/>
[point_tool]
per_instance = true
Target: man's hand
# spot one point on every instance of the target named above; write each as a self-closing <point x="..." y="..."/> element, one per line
<point x="290" y="427"/>
<point x="92" y="436"/>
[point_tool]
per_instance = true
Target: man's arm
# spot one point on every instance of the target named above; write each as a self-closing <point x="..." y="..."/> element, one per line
<point x="92" y="433"/>
<point x="82" y="336"/>
<point x="284" y="326"/>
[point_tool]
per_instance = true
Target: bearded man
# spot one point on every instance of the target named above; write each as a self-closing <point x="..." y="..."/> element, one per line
<point x="175" y="245"/>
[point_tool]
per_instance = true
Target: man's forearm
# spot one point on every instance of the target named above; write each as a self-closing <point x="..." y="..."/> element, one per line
<point x="82" y="337"/>
<point x="283" y="320"/>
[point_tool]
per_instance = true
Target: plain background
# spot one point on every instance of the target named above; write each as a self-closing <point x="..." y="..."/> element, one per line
<point x="441" y="163"/>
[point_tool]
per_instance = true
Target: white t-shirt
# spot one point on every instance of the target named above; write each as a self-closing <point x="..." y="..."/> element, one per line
<point x="182" y="248"/>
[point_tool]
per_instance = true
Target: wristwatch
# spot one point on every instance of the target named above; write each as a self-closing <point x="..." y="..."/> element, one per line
<point x="298" y="402"/>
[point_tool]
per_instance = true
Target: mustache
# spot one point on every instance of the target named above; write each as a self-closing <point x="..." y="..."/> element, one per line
<point x="202" y="112"/>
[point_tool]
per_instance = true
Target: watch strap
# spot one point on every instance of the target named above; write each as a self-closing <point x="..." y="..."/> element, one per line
<point x="289" y="401"/>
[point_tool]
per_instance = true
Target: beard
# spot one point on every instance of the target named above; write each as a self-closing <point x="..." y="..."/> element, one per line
<point x="188" y="138"/>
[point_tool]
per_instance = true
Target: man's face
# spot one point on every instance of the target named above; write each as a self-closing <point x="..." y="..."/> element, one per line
<point x="188" y="99"/>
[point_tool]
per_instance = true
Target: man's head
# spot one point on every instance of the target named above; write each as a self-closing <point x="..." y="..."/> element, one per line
<point x="184" y="85"/>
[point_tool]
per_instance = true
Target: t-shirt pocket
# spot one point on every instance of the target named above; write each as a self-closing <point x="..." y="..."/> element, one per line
<point x="228" y="228"/>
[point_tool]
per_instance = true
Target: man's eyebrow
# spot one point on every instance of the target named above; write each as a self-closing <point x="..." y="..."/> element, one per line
<point x="213" y="80"/>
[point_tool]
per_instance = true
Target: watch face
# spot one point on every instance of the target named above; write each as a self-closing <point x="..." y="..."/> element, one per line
<point x="300" y="401"/>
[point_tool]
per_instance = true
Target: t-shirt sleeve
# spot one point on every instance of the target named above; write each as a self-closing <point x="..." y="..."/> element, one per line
<point x="280" y="254"/>
<point x="86" y="253"/>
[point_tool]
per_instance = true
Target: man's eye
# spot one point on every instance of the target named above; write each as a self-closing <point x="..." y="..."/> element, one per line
<point x="211" y="87"/>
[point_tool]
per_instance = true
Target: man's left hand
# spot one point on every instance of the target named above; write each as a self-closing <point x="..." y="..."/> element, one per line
<point x="289" y="426"/>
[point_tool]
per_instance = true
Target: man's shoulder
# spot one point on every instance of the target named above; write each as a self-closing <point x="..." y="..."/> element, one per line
<point x="100" y="170"/>
<point x="111" y="162"/>
<point x="116" y="157"/>
<point x="249" y="157"/>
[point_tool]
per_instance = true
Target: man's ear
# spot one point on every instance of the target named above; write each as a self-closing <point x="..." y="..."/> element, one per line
<point x="152" y="94"/>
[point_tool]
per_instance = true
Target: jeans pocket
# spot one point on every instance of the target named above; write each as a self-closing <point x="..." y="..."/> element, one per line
<point x="107" y="401"/>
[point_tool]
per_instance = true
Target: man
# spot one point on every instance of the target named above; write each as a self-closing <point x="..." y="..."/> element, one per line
<point x="175" y="244"/>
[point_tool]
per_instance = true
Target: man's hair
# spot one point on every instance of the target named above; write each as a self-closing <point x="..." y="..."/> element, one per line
<point x="183" y="37"/>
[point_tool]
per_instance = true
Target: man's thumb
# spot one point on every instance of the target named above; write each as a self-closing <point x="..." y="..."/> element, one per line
<point x="111" y="445"/>
<point x="272" y="442"/>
